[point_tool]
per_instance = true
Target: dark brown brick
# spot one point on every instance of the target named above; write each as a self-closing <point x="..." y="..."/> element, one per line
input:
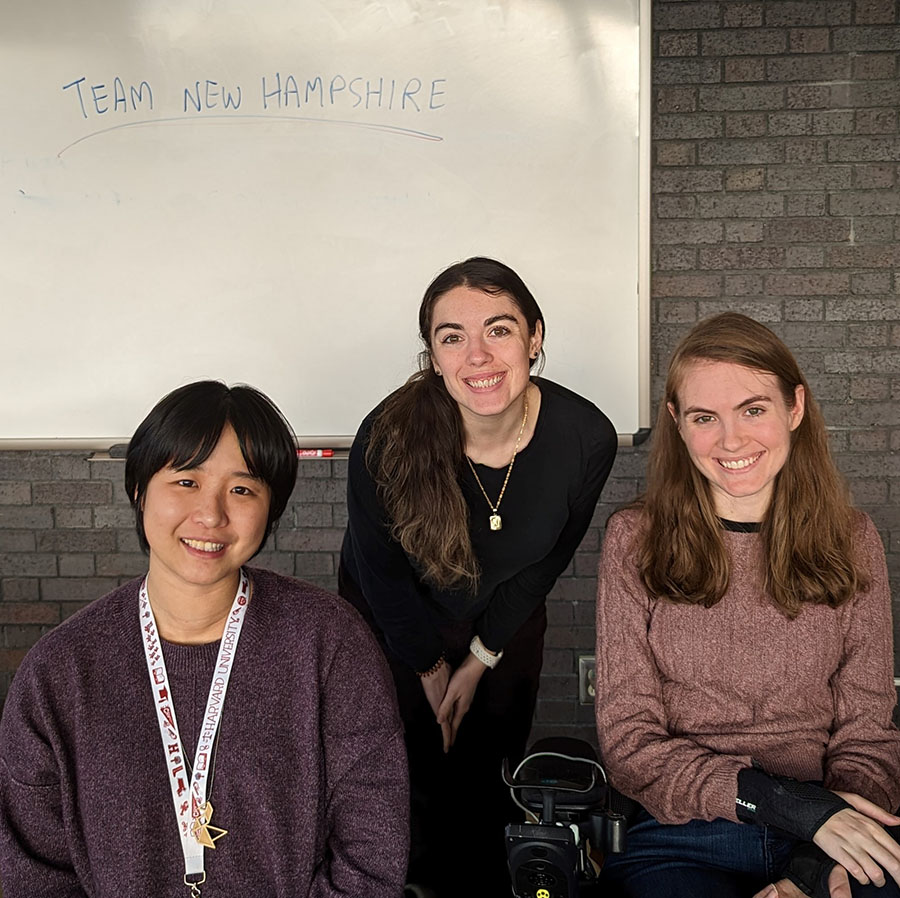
<point x="679" y="44"/>
<point x="866" y="202"/>
<point x="809" y="40"/>
<point x="835" y="121"/>
<point x="745" y="178"/>
<point x="676" y="99"/>
<point x="29" y="613"/>
<point x="675" y="206"/>
<point x="871" y="256"/>
<point x="789" y="124"/>
<point x="873" y="230"/>
<point x="671" y="285"/>
<point x="874" y="12"/>
<point x="804" y="257"/>
<point x="743" y="15"/>
<point x="686" y="16"/>
<point x="675" y="153"/>
<point x="690" y="232"/>
<point x="875" y="67"/>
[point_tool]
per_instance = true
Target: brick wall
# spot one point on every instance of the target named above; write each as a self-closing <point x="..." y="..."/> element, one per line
<point x="776" y="192"/>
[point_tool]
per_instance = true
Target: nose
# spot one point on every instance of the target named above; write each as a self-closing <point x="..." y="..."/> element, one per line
<point x="210" y="509"/>
<point x="479" y="352"/>
<point x="732" y="436"/>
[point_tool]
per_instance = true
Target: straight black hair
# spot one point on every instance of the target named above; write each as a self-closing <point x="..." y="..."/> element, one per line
<point x="183" y="430"/>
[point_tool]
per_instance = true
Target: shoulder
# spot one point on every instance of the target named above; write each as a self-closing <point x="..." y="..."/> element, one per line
<point x="571" y="416"/>
<point x="624" y="528"/>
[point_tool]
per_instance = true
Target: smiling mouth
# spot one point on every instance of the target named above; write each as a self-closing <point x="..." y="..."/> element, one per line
<point x="738" y="464"/>
<point x="203" y="546"/>
<point x="484" y="383"/>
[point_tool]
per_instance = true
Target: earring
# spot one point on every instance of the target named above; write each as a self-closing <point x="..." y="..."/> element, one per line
<point x="437" y="371"/>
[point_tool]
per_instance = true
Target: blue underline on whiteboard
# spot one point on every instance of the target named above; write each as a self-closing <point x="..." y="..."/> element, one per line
<point x="301" y="120"/>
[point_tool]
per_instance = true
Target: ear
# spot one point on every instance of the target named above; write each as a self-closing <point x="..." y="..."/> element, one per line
<point x="536" y="341"/>
<point x="799" y="408"/>
<point x="671" y="407"/>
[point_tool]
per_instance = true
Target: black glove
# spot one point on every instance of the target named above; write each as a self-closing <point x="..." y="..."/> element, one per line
<point x="808" y="869"/>
<point x="795" y="808"/>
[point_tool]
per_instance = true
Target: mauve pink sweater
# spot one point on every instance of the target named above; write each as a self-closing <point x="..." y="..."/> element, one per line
<point x="687" y="695"/>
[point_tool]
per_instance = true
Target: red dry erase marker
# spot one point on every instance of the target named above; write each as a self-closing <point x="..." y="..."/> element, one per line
<point x="315" y="453"/>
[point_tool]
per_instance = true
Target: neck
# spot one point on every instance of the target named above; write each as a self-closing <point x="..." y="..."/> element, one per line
<point x="190" y="616"/>
<point x="490" y="441"/>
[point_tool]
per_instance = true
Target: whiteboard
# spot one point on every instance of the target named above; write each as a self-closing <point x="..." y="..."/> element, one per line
<point x="260" y="192"/>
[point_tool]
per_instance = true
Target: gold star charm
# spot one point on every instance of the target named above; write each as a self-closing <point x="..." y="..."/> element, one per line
<point x="206" y="834"/>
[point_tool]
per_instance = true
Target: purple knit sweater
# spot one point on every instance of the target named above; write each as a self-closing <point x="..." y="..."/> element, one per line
<point x="687" y="695"/>
<point x="310" y="777"/>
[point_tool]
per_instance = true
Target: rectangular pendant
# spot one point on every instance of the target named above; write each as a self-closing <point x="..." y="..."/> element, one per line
<point x="496" y="522"/>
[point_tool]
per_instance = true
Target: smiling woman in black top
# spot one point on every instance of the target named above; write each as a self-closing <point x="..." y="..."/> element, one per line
<point x="470" y="488"/>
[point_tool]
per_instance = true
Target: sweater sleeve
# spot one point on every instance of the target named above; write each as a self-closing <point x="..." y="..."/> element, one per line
<point x="385" y="574"/>
<point x="863" y="754"/>
<point x="515" y="599"/>
<point x="673" y="777"/>
<point x="367" y="800"/>
<point x="35" y="861"/>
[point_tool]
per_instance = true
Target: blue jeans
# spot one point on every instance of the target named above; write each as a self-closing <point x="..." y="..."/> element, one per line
<point x="700" y="859"/>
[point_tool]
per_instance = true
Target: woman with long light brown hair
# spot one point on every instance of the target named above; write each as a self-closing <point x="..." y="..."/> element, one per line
<point x="744" y="653"/>
<point x="470" y="489"/>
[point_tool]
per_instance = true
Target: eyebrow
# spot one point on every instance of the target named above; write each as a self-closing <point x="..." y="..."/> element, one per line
<point x="243" y="475"/>
<point x="752" y="400"/>
<point x="503" y="316"/>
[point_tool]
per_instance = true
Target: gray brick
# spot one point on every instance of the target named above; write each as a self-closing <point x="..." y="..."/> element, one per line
<point x="314" y="564"/>
<point x="77" y="566"/>
<point x="808" y="96"/>
<point x="876" y="121"/>
<point x="687" y="181"/>
<point x="809" y="40"/>
<point x="687" y="71"/>
<point x="741" y="257"/>
<point x="24" y="466"/>
<point x="743" y="231"/>
<point x="16" y="541"/>
<point x="318" y="491"/>
<point x="870" y="414"/>
<point x="866" y="202"/>
<point x="686" y="16"/>
<point x="315" y="468"/>
<point x="870" y="309"/>
<point x="868" y="441"/>
<point x="27" y="564"/>
<point x="679" y="44"/>
<point x="686" y="285"/>
<point x="76" y="589"/>
<point x="70" y="467"/>
<point x="867" y="39"/>
<point x="692" y="232"/>
<point x="280" y="562"/>
<point x="874" y="67"/>
<point x="745" y="178"/>
<point x="804" y="310"/>
<point x="804" y="150"/>
<point x="871" y="256"/>
<point x="873" y="230"/>
<point x="741" y="42"/>
<point x="808" y="230"/>
<point x="16" y="589"/>
<point x="113" y="516"/>
<point x="740" y="152"/>
<point x="805" y="334"/>
<point x="804" y="257"/>
<point x="310" y="515"/>
<point x="76" y="541"/>
<point x="747" y="124"/>
<point x="675" y="153"/>
<point x="89" y="492"/>
<point x="687" y="127"/>
<point x="874" y="176"/>
<point x="13" y="492"/>
<point x="807" y="284"/>
<point x="809" y="177"/>
<point x="754" y="205"/>
<point x="25" y="518"/>
<point x="872" y="388"/>
<point x="127" y="541"/>
<point x="732" y="98"/>
<point x="121" y="565"/>
<point x="863" y="94"/>
<point x="322" y="540"/>
<point x="674" y="258"/>
<point x="806" y="204"/>
<point x="809" y="12"/>
<point x="744" y="69"/>
<point x="78" y="518"/>
<point x="674" y="100"/>
<point x="675" y="206"/>
<point x="808" y="68"/>
<point x="874" y="12"/>
<point x="743" y="285"/>
<point x="676" y="311"/>
<point x="869" y="334"/>
<point x="870" y="282"/>
<point x="789" y="124"/>
<point x="834" y="121"/>
<point x="868" y="361"/>
<point x="765" y="310"/>
<point x="743" y="15"/>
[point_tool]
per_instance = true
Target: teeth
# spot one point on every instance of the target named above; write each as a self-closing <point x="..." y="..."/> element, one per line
<point x="203" y="546"/>
<point x="487" y="382"/>
<point x="738" y="463"/>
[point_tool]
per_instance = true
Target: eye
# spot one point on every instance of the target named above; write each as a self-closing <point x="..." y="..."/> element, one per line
<point x="242" y="491"/>
<point x="703" y="419"/>
<point x="755" y="411"/>
<point x="185" y="481"/>
<point x="450" y="338"/>
<point x="499" y="330"/>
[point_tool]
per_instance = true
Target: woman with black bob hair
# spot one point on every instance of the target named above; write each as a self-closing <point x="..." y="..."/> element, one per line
<point x="209" y="727"/>
<point x="469" y="490"/>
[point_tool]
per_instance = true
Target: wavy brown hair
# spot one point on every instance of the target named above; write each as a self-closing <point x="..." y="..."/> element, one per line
<point x="417" y="443"/>
<point x="807" y="531"/>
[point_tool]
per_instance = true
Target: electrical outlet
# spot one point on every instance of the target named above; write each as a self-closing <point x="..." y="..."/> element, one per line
<point x="586" y="680"/>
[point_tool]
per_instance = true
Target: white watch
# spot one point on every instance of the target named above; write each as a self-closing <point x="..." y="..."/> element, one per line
<point x="488" y="659"/>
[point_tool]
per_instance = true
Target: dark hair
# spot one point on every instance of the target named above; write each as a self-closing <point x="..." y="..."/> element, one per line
<point x="807" y="531"/>
<point x="420" y="489"/>
<point x="184" y="428"/>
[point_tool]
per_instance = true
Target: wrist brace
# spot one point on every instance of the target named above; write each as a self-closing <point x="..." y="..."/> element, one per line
<point x="809" y="868"/>
<point x="796" y="808"/>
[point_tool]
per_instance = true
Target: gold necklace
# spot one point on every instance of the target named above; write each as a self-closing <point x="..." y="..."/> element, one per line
<point x="495" y="520"/>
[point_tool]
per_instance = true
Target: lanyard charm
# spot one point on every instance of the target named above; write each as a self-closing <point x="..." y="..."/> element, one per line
<point x="194" y="884"/>
<point x="204" y="832"/>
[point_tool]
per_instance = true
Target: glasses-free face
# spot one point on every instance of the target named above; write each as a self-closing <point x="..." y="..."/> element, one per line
<point x="737" y="430"/>
<point x="203" y="523"/>
<point x="481" y="346"/>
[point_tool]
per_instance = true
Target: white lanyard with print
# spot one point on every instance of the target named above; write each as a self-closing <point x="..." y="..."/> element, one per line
<point x="193" y="810"/>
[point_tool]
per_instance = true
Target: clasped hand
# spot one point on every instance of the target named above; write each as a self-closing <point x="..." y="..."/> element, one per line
<point x="855" y="838"/>
<point x="450" y="695"/>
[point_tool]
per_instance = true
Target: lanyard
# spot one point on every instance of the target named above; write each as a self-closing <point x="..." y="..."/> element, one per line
<point x="193" y="810"/>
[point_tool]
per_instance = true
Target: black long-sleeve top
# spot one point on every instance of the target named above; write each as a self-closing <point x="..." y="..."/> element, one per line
<point x="547" y="507"/>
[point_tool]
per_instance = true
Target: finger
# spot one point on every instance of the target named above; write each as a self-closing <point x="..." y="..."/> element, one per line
<point x="839" y="883"/>
<point x="768" y="892"/>
<point x="447" y="736"/>
<point x="870" y="809"/>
